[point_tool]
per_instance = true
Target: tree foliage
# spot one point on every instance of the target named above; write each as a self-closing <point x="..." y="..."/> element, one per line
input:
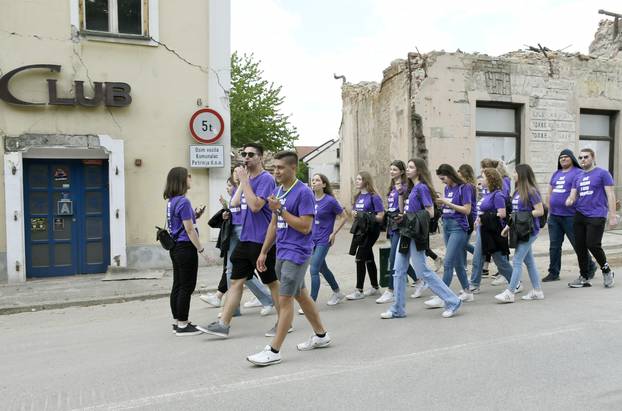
<point x="255" y="108"/>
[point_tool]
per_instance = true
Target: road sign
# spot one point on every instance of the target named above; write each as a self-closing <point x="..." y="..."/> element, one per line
<point x="207" y="126"/>
<point x="207" y="156"/>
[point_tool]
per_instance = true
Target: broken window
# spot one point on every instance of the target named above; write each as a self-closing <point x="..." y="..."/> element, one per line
<point x="115" y="17"/>
<point x="596" y="131"/>
<point x="497" y="133"/>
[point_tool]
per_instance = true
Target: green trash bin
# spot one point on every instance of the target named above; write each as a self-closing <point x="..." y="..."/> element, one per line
<point x="384" y="266"/>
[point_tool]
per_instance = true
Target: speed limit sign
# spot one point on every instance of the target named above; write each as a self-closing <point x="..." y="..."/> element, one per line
<point x="207" y="126"/>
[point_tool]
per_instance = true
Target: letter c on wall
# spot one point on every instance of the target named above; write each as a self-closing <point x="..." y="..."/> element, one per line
<point x="6" y="95"/>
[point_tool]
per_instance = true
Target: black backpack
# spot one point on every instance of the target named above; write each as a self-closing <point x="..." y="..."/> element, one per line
<point x="434" y="227"/>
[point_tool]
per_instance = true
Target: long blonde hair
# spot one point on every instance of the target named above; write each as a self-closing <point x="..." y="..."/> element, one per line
<point x="368" y="184"/>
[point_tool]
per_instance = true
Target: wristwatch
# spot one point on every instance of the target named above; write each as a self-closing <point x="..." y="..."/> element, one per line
<point x="279" y="211"/>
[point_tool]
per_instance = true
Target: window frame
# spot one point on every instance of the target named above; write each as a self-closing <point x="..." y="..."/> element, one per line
<point x="517" y="123"/>
<point x="612" y="114"/>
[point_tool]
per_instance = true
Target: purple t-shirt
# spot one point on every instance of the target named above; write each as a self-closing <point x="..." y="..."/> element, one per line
<point x="255" y="225"/>
<point x="326" y="210"/>
<point x="561" y="183"/>
<point x="491" y="202"/>
<point x="507" y="183"/>
<point x="591" y="197"/>
<point x="459" y="195"/>
<point x="418" y="199"/>
<point x="292" y="245"/>
<point x="518" y="205"/>
<point x="236" y="212"/>
<point x="393" y="200"/>
<point x="179" y="209"/>
<point x="367" y="202"/>
<point x="473" y="190"/>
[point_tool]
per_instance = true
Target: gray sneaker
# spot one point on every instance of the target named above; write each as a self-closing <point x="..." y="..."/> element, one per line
<point x="272" y="331"/>
<point x="580" y="282"/>
<point x="608" y="280"/>
<point x="216" y="328"/>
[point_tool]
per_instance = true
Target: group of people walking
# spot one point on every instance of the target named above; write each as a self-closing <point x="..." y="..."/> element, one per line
<point x="275" y="228"/>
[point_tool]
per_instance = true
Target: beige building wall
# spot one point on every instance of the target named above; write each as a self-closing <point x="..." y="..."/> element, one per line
<point x="165" y="92"/>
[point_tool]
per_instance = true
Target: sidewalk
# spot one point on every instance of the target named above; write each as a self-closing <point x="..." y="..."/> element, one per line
<point x="85" y="290"/>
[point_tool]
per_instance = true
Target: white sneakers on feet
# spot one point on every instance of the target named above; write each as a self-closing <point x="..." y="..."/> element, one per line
<point x="466" y="297"/>
<point x="519" y="288"/>
<point x="314" y="342"/>
<point x="356" y="295"/>
<point x="301" y="312"/>
<point x="252" y="303"/>
<point x="386" y="297"/>
<point x="420" y="287"/>
<point x="210" y="298"/>
<point x="267" y="310"/>
<point x="265" y="357"/>
<point x="500" y="280"/>
<point x="434" y="302"/>
<point x="336" y="298"/>
<point x="533" y="295"/>
<point x="371" y="291"/>
<point x="505" y="297"/>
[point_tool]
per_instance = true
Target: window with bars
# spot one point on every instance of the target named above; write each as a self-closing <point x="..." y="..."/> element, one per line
<point x="115" y="18"/>
<point x="596" y="131"/>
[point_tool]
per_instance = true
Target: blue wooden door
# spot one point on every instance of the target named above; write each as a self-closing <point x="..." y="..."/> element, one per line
<point x="66" y="210"/>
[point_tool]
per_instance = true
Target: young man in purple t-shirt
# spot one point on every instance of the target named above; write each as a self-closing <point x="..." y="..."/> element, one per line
<point x="293" y="207"/>
<point x="256" y="185"/>
<point x="561" y="217"/>
<point x="593" y="198"/>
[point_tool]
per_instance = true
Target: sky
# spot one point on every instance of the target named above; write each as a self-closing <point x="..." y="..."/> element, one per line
<point x="301" y="43"/>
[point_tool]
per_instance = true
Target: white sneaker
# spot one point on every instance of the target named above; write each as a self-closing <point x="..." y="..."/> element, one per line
<point x="220" y="314"/>
<point x="267" y="310"/>
<point x="356" y="295"/>
<point x="265" y="357"/>
<point x="519" y="288"/>
<point x="387" y="297"/>
<point x="387" y="315"/>
<point x="435" y="302"/>
<point x="500" y="280"/>
<point x="505" y="297"/>
<point x="439" y="264"/>
<point x="420" y="287"/>
<point x="300" y="312"/>
<point x="336" y="298"/>
<point x="533" y="295"/>
<point x="466" y="297"/>
<point x="371" y="291"/>
<point x="314" y="342"/>
<point x="448" y="313"/>
<point x="252" y="303"/>
<point x="210" y="298"/>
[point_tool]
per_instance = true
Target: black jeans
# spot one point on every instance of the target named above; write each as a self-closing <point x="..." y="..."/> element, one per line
<point x="365" y="259"/>
<point x="185" y="266"/>
<point x="588" y="232"/>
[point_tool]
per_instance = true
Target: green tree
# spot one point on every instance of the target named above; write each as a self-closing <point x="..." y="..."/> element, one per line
<point x="255" y="108"/>
<point x="302" y="173"/>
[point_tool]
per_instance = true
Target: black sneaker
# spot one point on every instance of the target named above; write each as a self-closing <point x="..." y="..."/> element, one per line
<point x="189" y="329"/>
<point x="580" y="282"/>
<point x="550" y="277"/>
<point x="174" y="328"/>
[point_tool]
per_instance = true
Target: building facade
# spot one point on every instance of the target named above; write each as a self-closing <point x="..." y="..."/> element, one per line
<point x="96" y="97"/>
<point x="522" y="107"/>
<point x="324" y="160"/>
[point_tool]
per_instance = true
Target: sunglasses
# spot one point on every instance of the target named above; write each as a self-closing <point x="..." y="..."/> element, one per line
<point x="248" y="154"/>
<point x="583" y="157"/>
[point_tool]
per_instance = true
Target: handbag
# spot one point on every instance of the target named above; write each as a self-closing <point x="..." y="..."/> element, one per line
<point x="164" y="236"/>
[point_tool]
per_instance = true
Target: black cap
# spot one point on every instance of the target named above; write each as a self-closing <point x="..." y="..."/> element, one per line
<point x="568" y="152"/>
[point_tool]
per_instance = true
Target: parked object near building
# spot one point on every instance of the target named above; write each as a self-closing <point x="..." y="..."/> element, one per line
<point x="95" y="108"/>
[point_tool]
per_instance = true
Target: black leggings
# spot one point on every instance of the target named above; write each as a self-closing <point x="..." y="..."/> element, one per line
<point x="185" y="266"/>
<point x="588" y="232"/>
<point x="222" y="285"/>
<point x="365" y="259"/>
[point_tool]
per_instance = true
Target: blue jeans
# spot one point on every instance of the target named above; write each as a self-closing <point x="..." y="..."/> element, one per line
<point x="318" y="265"/>
<point x="254" y="285"/>
<point x="455" y="241"/>
<point x="395" y="241"/>
<point x="524" y="254"/>
<point x="501" y="261"/>
<point x="417" y="259"/>
<point x="558" y="227"/>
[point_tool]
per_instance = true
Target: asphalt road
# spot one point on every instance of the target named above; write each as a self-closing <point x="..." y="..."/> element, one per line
<point x="562" y="353"/>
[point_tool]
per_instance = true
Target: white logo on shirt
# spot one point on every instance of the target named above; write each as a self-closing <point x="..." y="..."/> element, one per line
<point x="584" y="186"/>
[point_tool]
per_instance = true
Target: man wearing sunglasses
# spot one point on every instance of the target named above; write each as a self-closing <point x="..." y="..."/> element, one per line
<point x="561" y="217"/>
<point x="256" y="185"/>
<point x="593" y="198"/>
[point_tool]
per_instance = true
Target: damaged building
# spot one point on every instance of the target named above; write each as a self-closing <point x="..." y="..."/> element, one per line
<point x="522" y="107"/>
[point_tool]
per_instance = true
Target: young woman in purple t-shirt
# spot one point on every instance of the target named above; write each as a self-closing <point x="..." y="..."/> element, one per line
<point x="526" y="198"/>
<point x="366" y="200"/>
<point x="181" y="219"/>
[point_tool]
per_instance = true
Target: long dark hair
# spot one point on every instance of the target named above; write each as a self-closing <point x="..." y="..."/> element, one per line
<point x="423" y="175"/>
<point x="467" y="173"/>
<point x="368" y="184"/>
<point x="327" y="188"/>
<point x="176" y="182"/>
<point x="448" y="171"/>
<point x="526" y="182"/>
<point x="403" y="179"/>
